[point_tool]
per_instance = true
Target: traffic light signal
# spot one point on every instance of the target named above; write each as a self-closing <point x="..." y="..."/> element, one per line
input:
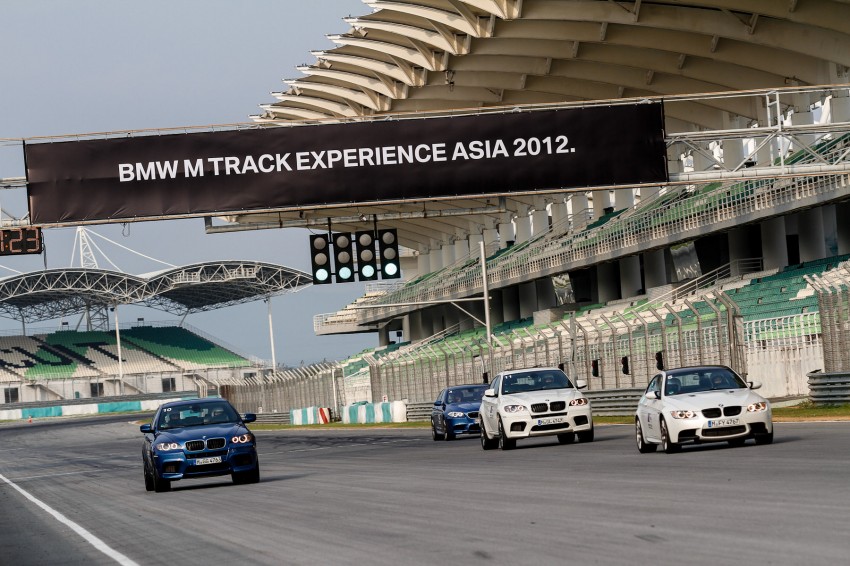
<point x="594" y="368"/>
<point x="343" y="257"/>
<point x="367" y="262"/>
<point x="625" y="361"/>
<point x="388" y="247"/>
<point x="320" y="259"/>
<point x="659" y="360"/>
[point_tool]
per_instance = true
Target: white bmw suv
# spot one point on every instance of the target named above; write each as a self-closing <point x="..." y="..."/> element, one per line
<point x="522" y="403"/>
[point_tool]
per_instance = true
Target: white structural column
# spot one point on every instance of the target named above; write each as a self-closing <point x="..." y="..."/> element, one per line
<point x="522" y="225"/>
<point x="560" y="216"/>
<point x="423" y="261"/>
<point x="842" y="213"/>
<point x="436" y="256"/>
<point x="601" y="201"/>
<point x="606" y="282"/>
<point x="630" y="284"/>
<point x="766" y="154"/>
<point x="540" y="217"/>
<point x="810" y="231"/>
<point x="773" y="243"/>
<point x="578" y="208"/>
<point x="461" y="250"/>
<point x="506" y="230"/>
<point x="702" y="159"/>
<point x="448" y="251"/>
<point x="839" y="105"/>
<point x="733" y="150"/>
<point x="803" y="116"/>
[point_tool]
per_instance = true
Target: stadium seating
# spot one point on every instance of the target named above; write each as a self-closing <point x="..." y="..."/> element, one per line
<point x="82" y="355"/>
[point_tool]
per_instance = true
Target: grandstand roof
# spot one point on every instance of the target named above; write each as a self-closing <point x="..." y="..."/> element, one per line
<point x="411" y="56"/>
<point x="53" y="293"/>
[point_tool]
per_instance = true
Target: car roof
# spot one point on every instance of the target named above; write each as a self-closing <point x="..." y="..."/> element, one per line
<point x="525" y="370"/>
<point x="696" y="368"/>
<point x="197" y="401"/>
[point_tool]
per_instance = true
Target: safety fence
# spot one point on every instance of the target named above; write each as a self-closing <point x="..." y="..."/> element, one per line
<point x="779" y="352"/>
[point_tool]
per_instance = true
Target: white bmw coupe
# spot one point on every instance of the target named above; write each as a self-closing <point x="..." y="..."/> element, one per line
<point x="701" y="404"/>
<point x="522" y="403"/>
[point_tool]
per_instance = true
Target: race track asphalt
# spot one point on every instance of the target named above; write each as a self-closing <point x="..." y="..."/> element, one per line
<point x="391" y="497"/>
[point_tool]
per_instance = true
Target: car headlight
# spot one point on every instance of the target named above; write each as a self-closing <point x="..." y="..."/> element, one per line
<point x="684" y="414"/>
<point x="514" y="408"/>
<point x="757" y="407"/>
<point x="242" y="439"/>
<point x="167" y="446"/>
<point x="454" y="414"/>
<point x="581" y="401"/>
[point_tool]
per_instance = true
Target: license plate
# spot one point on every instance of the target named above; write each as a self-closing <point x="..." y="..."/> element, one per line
<point x="551" y="420"/>
<point x="211" y="460"/>
<point x="723" y="422"/>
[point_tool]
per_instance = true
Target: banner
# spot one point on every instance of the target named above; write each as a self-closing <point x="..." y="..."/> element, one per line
<point x="370" y="162"/>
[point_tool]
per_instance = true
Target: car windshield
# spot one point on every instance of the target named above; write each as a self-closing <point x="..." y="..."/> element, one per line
<point x="534" y="381"/>
<point x="697" y="380"/>
<point x="457" y="395"/>
<point x="196" y="414"/>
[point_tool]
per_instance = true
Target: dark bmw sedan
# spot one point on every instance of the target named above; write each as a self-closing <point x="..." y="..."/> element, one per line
<point x="198" y="438"/>
<point x="456" y="411"/>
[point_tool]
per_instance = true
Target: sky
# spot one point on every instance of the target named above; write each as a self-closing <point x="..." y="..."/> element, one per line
<point x="107" y="65"/>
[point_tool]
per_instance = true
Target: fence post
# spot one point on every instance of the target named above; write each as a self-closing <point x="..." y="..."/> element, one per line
<point x="679" y="331"/>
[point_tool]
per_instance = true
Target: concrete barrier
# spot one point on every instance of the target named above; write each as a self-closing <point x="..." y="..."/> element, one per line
<point x="80" y="409"/>
<point x="310" y="415"/>
<point x="363" y="413"/>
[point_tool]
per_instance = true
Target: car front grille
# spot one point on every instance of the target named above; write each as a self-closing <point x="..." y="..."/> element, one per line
<point x="472" y="414"/>
<point x="209" y="444"/>
<point x="712" y="413"/>
<point x="539" y="408"/>
<point x="724" y="431"/>
<point x="731" y="411"/>
<point x="558" y="406"/>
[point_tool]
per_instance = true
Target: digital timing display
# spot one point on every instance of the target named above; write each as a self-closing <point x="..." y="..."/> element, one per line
<point x="21" y="241"/>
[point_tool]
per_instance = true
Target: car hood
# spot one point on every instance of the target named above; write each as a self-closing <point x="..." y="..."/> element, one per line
<point x="703" y="399"/>
<point x="463" y="407"/>
<point x="226" y="430"/>
<point x="529" y="397"/>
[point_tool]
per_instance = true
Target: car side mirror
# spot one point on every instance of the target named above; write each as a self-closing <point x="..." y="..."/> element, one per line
<point x="754" y="384"/>
<point x="249" y="418"/>
<point x="581" y="383"/>
<point x="146" y="428"/>
<point x="437" y="403"/>
<point x="490" y="393"/>
<point x="655" y="394"/>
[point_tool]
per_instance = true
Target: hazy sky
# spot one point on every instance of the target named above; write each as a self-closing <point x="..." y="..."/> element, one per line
<point x="104" y="65"/>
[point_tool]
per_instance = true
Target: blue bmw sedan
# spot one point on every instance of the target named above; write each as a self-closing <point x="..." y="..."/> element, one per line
<point x="198" y="438"/>
<point x="456" y="411"/>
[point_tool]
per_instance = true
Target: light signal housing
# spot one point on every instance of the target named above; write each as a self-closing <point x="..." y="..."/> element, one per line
<point x="388" y="248"/>
<point x="367" y="261"/>
<point x="343" y="257"/>
<point x="320" y="259"/>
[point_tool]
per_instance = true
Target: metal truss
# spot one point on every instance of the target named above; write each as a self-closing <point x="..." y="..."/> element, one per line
<point x="51" y="294"/>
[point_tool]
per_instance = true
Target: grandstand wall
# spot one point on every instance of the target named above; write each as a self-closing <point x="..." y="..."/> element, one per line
<point x="66" y="365"/>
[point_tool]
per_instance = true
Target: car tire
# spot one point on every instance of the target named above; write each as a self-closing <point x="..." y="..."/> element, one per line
<point x="643" y="446"/>
<point x="486" y="443"/>
<point x="148" y="480"/>
<point x="585" y="435"/>
<point x="567" y="438"/>
<point x="160" y="485"/>
<point x="251" y="476"/>
<point x="764" y="438"/>
<point x="450" y="436"/>
<point x="737" y="442"/>
<point x="666" y="445"/>
<point x="434" y="434"/>
<point x="505" y="443"/>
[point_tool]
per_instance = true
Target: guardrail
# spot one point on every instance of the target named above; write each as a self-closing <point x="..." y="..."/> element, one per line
<point x="610" y="402"/>
<point x="829" y="388"/>
<point x="98" y="400"/>
<point x="273" y="418"/>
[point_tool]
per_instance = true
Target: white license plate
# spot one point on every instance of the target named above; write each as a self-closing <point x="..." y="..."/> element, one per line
<point x="211" y="460"/>
<point x="551" y="420"/>
<point x="723" y="422"/>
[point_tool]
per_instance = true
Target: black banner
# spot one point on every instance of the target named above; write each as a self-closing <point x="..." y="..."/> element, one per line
<point x="143" y="177"/>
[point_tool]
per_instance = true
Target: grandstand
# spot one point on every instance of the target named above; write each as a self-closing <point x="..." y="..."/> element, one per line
<point x="710" y="266"/>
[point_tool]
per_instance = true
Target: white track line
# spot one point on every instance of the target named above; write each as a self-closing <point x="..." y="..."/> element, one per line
<point x="86" y="535"/>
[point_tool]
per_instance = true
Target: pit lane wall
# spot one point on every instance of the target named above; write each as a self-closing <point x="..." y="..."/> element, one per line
<point x="86" y="409"/>
<point x="362" y="413"/>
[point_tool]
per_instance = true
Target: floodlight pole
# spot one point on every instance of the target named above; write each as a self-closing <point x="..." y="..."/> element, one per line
<point x="271" y="333"/>
<point x="486" y="292"/>
<point x="120" y="360"/>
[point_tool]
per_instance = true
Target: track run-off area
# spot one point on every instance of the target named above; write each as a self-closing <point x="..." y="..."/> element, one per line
<point x="71" y="493"/>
